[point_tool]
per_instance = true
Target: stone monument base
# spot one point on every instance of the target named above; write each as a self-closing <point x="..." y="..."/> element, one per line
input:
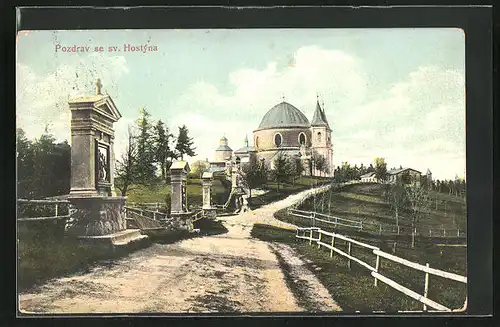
<point x="210" y="213"/>
<point x="180" y="221"/>
<point x="96" y="215"/>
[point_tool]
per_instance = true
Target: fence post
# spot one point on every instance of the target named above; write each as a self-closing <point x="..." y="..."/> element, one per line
<point x="310" y="237"/>
<point x="444" y="232"/>
<point x="413" y="232"/>
<point x="377" y="265"/>
<point x="349" y="252"/>
<point x="458" y="232"/>
<point x="426" y="286"/>
<point x="430" y="232"/>
<point x="398" y="229"/>
<point x="380" y="229"/>
<point x="333" y="245"/>
<point x="154" y="215"/>
<point x="57" y="209"/>
<point x="360" y="225"/>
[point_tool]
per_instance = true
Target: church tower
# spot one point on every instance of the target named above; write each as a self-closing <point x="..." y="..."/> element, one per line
<point x="321" y="138"/>
<point x="223" y="152"/>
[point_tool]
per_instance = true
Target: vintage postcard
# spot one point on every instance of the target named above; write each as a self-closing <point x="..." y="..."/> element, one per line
<point x="191" y="171"/>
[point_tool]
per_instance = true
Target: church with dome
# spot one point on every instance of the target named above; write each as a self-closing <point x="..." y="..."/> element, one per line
<point x="285" y="130"/>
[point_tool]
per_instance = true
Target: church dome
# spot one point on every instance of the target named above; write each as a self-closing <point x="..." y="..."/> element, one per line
<point x="284" y="115"/>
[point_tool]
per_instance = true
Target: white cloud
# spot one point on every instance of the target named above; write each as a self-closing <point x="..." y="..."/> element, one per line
<point x="43" y="100"/>
<point x="417" y="122"/>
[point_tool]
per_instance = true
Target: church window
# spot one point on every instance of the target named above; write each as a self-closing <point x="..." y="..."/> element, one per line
<point x="319" y="136"/>
<point x="278" y="139"/>
<point x="257" y="142"/>
<point x="302" y="139"/>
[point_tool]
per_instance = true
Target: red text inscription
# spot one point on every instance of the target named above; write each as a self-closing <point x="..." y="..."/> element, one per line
<point x="142" y="48"/>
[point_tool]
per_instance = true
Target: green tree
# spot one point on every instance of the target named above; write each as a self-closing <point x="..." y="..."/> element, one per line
<point x="126" y="166"/>
<point x="320" y="163"/>
<point x="163" y="152"/>
<point x="280" y="172"/>
<point x="381" y="170"/>
<point x="254" y="174"/>
<point x="43" y="166"/>
<point x="24" y="156"/>
<point x="145" y="168"/>
<point x="397" y="199"/>
<point x="198" y="167"/>
<point x="296" y="168"/>
<point x="418" y="201"/>
<point x="184" y="143"/>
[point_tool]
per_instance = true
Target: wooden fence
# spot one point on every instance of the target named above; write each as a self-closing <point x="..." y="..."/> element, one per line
<point x="156" y="206"/>
<point x="155" y="215"/>
<point x="309" y="234"/>
<point x="375" y="228"/>
<point x="55" y="203"/>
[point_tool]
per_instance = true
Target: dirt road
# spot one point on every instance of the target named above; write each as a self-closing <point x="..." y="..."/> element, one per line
<point x="224" y="273"/>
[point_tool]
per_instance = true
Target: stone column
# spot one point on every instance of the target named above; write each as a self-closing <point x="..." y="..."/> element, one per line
<point x="207" y="190"/>
<point x="208" y="211"/>
<point x="178" y="195"/>
<point x="94" y="210"/>
<point x="181" y="218"/>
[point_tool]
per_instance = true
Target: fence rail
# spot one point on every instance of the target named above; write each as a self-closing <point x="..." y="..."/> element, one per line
<point x="155" y="215"/>
<point x="376" y="228"/>
<point x="55" y="203"/>
<point x="148" y="205"/>
<point x="374" y="271"/>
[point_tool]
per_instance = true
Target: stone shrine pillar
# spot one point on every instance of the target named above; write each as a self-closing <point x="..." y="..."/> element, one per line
<point x="178" y="177"/>
<point x="95" y="210"/>
<point x="206" y="180"/>
<point x="179" y="206"/>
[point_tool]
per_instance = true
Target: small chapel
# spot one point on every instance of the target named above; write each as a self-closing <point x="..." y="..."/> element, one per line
<point x="284" y="130"/>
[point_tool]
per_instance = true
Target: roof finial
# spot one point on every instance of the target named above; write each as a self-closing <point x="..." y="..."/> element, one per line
<point x="317" y="97"/>
<point x="98" y="86"/>
<point x="283" y="96"/>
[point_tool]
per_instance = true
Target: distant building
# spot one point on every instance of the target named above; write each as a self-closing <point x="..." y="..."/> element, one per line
<point x="245" y="153"/>
<point x="222" y="155"/>
<point x="284" y="130"/>
<point x="369" y="178"/>
<point x="397" y="174"/>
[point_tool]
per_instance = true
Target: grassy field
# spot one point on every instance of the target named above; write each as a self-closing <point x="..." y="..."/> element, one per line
<point x="285" y="189"/>
<point x="44" y="253"/>
<point x="159" y="192"/>
<point x="366" y="202"/>
<point x="354" y="288"/>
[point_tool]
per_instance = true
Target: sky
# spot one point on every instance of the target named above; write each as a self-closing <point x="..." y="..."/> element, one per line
<point x="392" y="93"/>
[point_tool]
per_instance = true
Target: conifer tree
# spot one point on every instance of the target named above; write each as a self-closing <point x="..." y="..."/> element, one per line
<point x="184" y="143"/>
<point x="145" y="169"/>
<point x="280" y="172"/>
<point x="163" y="152"/>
